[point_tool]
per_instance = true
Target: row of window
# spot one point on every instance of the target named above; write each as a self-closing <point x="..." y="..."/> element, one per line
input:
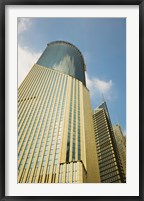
<point x="27" y="107"/>
<point x="103" y="156"/>
<point x="73" y="172"/>
<point x="52" y="144"/>
<point x="108" y="166"/>
<point x="38" y="122"/>
<point x="109" y="170"/>
<point x="69" y="125"/>
<point x="107" y="162"/>
<point x="30" y="109"/>
<point x="39" y="135"/>
<point x="112" y="174"/>
<point x="31" y="121"/>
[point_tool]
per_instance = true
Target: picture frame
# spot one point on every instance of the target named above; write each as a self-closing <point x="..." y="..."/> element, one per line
<point x="3" y="92"/>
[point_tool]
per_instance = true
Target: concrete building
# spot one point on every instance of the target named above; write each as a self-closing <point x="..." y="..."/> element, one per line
<point x="121" y="144"/>
<point x="56" y="142"/>
<point x="110" y="166"/>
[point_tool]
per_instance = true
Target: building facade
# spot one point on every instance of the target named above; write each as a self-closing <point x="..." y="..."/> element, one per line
<point x="56" y="142"/>
<point x="110" y="166"/>
<point x="121" y="144"/>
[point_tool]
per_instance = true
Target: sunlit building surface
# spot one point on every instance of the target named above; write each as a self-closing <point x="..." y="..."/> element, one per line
<point x="56" y="142"/>
<point x="120" y="140"/>
<point x="110" y="166"/>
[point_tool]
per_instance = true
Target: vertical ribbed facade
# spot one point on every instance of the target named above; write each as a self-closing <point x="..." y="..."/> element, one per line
<point x="110" y="166"/>
<point x="120" y="140"/>
<point x="54" y="142"/>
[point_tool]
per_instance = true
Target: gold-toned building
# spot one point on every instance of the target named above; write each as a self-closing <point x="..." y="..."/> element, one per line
<point x="110" y="166"/>
<point x="121" y="144"/>
<point x="56" y="142"/>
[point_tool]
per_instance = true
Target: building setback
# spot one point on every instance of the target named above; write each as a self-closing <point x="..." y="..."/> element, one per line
<point x="110" y="167"/>
<point x="56" y="142"/>
<point x="120" y="140"/>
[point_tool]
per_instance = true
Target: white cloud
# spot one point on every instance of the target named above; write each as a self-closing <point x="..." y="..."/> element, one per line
<point x="103" y="86"/>
<point x="23" y="24"/>
<point x="26" y="59"/>
<point x="98" y="87"/>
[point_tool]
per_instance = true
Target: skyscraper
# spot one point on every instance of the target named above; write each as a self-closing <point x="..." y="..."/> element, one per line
<point x="120" y="140"/>
<point x="110" y="166"/>
<point x="56" y="142"/>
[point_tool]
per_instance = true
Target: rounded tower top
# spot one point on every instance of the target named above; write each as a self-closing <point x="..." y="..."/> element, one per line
<point x="65" y="57"/>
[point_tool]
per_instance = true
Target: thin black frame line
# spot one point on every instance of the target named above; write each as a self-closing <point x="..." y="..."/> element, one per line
<point x="71" y="2"/>
<point x="2" y="95"/>
<point x="2" y="103"/>
<point x="141" y="100"/>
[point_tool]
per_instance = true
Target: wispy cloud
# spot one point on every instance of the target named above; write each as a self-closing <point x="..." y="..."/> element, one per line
<point x="23" y="24"/>
<point x="26" y="59"/>
<point x="99" y="87"/>
<point x="103" y="86"/>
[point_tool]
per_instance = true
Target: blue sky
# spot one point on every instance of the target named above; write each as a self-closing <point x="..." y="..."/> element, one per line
<point x="102" y="42"/>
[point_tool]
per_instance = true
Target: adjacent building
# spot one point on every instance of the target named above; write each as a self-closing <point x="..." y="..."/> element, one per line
<point x="120" y="140"/>
<point x="56" y="141"/>
<point x="110" y="166"/>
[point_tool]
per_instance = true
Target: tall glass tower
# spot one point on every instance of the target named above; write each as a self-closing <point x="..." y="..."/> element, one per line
<point x="56" y="142"/>
<point x="110" y="165"/>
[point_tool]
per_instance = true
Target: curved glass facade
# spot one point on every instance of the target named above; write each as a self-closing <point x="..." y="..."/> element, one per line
<point x="64" y="57"/>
